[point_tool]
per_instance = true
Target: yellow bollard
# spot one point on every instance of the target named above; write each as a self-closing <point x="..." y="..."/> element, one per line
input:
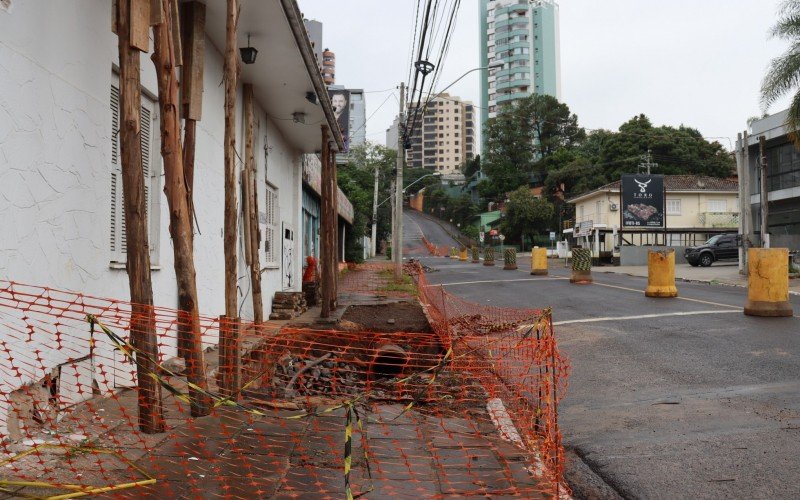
<point x="539" y="261"/>
<point x="661" y="274"/>
<point x="453" y="253"/>
<point x="768" y="282"/>
<point x="462" y="254"/>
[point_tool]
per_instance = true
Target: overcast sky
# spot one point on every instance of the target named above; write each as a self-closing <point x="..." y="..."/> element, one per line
<point x="692" y="62"/>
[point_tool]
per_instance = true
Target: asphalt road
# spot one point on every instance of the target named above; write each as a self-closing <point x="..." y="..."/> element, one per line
<point x="668" y="398"/>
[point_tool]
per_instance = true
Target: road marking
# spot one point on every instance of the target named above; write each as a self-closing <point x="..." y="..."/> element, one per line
<point x="497" y="281"/>
<point x="641" y="316"/>
<point x="638" y="290"/>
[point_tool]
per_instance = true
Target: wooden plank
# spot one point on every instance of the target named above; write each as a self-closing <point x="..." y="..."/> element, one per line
<point x="140" y="24"/>
<point x="156" y="16"/>
<point x="194" y="41"/>
<point x="229" y="224"/>
<point x="175" y="18"/>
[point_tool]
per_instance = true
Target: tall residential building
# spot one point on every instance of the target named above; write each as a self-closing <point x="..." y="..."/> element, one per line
<point x="328" y="67"/>
<point x="314" y="30"/>
<point x="520" y="49"/>
<point x="444" y="135"/>
<point x="393" y="134"/>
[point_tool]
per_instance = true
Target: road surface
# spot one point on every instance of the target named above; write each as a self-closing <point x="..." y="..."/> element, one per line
<point x="668" y="398"/>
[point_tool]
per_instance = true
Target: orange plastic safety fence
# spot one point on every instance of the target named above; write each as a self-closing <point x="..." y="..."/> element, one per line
<point x="466" y="407"/>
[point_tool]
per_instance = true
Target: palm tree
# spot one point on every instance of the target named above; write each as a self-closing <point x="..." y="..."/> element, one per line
<point x="783" y="74"/>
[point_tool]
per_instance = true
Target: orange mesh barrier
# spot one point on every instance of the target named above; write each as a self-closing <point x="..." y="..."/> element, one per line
<point x="436" y="250"/>
<point x="469" y="408"/>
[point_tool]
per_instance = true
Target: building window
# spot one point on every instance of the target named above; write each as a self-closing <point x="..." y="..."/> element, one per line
<point x="117" y="233"/>
<point x="717" y="205"/>
<point x="673" y="207"/>
<point x="272" y="232"/>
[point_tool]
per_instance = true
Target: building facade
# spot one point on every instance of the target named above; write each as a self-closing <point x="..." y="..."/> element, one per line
<point x="783" y="181"/>
<point x="519" y="47"/>
<point x="62" y="192"/>
<point x="328" y="67"/>
<point x="696" y="207"/>
<point x="314" y="29"/>
<point x="443" y="137"/>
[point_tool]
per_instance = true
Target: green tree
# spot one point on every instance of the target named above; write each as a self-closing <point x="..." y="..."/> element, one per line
<point x="356" y="178"/>
<point x="471" y="166"/>
<point x="526" y="215"/>
<point x="783" y="75"/>
<point x="520" y="137"/>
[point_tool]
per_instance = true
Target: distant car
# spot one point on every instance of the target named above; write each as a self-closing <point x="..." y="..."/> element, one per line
<point x="719" y="247"/>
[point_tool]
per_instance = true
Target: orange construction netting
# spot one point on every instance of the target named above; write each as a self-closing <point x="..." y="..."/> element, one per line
<point x="467" y="406"/>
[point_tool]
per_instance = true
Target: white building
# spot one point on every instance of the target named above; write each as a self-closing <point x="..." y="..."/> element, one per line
<point x="60" y="188"/>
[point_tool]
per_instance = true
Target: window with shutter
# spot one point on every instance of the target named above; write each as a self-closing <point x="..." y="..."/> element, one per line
<point x="117" y="233"/>
<point x="272" y="232"/>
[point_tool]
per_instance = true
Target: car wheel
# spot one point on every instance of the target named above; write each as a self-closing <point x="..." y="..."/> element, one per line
<point x="706" y="260"/>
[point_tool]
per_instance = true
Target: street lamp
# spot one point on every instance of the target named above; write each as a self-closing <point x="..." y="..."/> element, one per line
<point x="494" y="65"/>
<point x="435" y="174"/>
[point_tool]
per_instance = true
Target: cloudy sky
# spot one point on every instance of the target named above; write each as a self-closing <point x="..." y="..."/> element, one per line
<point x="692" y="62"/>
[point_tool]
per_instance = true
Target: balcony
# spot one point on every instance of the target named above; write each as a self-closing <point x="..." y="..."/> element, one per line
<point x="718" y="220"/>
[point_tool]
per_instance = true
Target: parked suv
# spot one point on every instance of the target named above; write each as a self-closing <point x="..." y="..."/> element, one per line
<point x="719" y="247"/>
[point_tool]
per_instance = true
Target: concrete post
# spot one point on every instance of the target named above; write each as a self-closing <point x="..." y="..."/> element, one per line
<point x="661" y="274"/>
<point x="539" y="261"/>
<point x="581" y="266"/>
<point x="768" y="282"/>
<point x="488" y="256"/>
<point x="510" y="259"/>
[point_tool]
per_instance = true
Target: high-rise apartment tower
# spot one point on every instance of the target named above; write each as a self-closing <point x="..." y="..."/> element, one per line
<point x="520" y="49"/>
<point x="444" y="135"/>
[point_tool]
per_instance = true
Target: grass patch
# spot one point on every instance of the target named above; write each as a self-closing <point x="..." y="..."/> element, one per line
<point x="406" y="284"/>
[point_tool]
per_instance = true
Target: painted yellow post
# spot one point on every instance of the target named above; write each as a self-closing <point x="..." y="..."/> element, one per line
<point x="539" y="261"/>
<point x="768" y="282"/>
<point x="462" y="254"/>
<point x="454" y="253"/>
<point x="661" y="274"/>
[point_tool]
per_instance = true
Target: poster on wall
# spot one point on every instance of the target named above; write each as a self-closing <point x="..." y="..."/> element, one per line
<point x="643" y="200"/>
<point x="340" y="100"/>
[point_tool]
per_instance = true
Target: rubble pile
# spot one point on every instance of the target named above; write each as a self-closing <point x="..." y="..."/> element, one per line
<point x="288" y="305"/>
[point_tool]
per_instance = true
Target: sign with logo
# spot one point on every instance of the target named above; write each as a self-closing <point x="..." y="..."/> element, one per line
<point x="502" y="237"/>
<point x="340" y="100"/>
<point x="481" y="236"/>
<point x="643" y="201"/>
<point x="552" y="236"/>
<point x="584" y="228"/>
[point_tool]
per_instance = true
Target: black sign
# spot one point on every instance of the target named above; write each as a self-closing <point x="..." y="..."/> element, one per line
<point x="643" y="201"/>
<point x="340" y="100"/>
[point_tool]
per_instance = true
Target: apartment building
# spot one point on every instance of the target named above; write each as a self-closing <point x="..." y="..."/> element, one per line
<point x="443" y="134"/>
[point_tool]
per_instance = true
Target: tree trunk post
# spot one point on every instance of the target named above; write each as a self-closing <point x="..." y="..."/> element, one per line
<point x="180" y="225"/>
<point x="328" y="229"/>
<point x="251" y="212"/>
<point x="143" y="326"/>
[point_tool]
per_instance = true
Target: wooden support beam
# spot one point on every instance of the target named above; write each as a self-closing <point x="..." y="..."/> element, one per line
<point x="229" y="377"/>
<point x="328" y="228"/>
<point x="250" y="202"/>
<point x="139" y="34"/>
<point x="193" y="39"/>
<point x="194" y="46"/>
<point x="180" y="224"/>
<point x="143" y="324"/>
<point x="230" y="77"/>
<point x="334" y="191"/>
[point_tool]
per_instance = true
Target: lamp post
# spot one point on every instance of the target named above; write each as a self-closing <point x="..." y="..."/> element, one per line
<point x="435" y="174"/>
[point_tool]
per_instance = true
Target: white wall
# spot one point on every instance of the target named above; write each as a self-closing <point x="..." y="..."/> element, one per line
<point x="56" y="67"/>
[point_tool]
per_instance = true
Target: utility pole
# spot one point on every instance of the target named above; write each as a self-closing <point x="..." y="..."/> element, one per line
<point x="744" y="195"/>
<point x="764" y="193"/>
<point x="373" y="241"/>
<point x="647" y="163"/>
<point x="747" y="214"/>
<point x="397" y="251"/>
